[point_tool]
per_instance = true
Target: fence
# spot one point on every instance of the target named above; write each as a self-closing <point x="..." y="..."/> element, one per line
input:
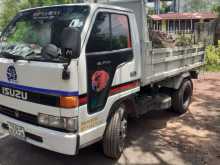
<point x="205" y="32"/>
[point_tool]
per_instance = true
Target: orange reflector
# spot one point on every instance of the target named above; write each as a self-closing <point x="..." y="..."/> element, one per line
<point x="69" y="102"/>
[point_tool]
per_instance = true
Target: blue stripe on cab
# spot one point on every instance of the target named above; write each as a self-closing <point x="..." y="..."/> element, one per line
<point x="38" y="90"/>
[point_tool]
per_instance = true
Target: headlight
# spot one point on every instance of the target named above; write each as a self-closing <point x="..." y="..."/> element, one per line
<point x="70" y="124"/>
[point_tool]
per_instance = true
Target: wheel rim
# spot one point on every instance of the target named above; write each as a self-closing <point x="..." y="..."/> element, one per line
<point x="123" y="134"/>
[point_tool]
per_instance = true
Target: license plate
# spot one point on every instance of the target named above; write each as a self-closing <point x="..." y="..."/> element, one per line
<point x="16" y="131"/>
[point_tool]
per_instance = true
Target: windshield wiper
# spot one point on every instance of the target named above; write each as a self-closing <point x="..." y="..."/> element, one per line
<point x="11" y="56"/>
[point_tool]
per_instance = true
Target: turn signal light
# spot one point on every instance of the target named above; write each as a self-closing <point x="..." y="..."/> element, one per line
<point x="69" y="101"/>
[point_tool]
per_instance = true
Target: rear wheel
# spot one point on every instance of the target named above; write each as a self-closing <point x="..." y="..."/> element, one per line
<point x="115" y="134"/>
<point x="181" y="98"/>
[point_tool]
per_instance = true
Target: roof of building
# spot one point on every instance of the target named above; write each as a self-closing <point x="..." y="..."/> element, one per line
<point x="177" y="16"/>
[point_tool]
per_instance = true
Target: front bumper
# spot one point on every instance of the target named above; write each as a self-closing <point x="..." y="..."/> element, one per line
<point x="65" y="143"/>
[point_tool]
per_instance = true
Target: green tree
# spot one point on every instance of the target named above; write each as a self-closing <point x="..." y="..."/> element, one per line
<point x="11" y="7"/>
<point x="34" y="3"/>
<point x="216" y="8"/>
<point x="199" y="5"/>
<point x="165" y="8"/>
<point x="196" y="5"/>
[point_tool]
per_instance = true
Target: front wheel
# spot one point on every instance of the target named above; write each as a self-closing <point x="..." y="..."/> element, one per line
<point x="115" y="134"/>
<point x="181" y="98"/>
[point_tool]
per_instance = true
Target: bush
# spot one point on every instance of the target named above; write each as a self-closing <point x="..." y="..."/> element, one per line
<point x="184" y="41"/>
<point x="213" y="58"/>
<point x="213" y="55"/>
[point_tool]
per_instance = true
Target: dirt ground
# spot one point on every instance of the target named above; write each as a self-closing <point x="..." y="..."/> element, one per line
<point x="193" y="138"/>
<point x="160" y="137"/>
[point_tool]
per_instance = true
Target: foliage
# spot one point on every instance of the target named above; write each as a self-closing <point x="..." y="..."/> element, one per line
<point x="216" y="8"/>
<point x="11" y="7"/>
<point x="165" y="8"/>
<point x="213" y="58"/>
<point x="199" y="5"/>
<point x="23" y="34"/>
<point x="213" y="55"/>
<point x="33" y="3"/>
<point x="19" y="34"/>
<point x="212" y="68"/>
<point x="183" y="40"/>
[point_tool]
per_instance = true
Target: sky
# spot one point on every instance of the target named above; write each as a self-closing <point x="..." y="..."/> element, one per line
<point x="151" y="4"/>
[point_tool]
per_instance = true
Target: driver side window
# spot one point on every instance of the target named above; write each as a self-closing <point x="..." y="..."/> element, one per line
<point x="110" y="32"/>
<point x="100" y="39"/>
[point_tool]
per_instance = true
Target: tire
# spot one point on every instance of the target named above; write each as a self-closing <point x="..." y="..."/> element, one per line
<point x="115" y="134"/>
<point x="182" y="98"/>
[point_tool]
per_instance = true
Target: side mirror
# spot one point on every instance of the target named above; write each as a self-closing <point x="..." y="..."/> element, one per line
<point x="71" y="42"/>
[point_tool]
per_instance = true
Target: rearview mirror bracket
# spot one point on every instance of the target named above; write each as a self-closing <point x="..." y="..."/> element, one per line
<point x="70" y="46"/>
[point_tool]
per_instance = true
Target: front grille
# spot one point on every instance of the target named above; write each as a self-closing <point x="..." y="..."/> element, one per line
<point x="21" y="116"/>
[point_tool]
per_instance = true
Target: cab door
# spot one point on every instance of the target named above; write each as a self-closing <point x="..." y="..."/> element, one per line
<point x="108" y="47"/>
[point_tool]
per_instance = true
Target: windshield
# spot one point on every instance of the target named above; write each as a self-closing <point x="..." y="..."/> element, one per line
<point x="31" y="31"/>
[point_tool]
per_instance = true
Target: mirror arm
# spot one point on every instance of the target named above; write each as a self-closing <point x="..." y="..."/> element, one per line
<point x="66" y="72"/>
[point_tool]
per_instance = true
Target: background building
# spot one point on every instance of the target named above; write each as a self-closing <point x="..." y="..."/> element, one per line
<point x="179" y="22"/>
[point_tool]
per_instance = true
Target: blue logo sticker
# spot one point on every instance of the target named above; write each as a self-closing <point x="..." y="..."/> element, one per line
<point x="11" y="74"/>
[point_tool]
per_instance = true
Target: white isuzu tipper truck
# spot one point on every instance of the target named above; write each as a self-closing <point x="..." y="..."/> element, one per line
<point x="70" y="75"/>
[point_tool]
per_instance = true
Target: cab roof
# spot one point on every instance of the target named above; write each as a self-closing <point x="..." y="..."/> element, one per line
<point x="92" y="5"/>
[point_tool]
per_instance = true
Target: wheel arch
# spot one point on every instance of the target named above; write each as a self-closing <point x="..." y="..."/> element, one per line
<point x="127" y="101"/>
<point x="176" y="82"/>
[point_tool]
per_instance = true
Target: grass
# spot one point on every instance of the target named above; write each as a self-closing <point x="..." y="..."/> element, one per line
<point x="212" y="68"/>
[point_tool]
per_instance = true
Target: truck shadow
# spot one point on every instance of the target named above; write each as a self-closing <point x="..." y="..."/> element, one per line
<point x="13" y="151"/>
